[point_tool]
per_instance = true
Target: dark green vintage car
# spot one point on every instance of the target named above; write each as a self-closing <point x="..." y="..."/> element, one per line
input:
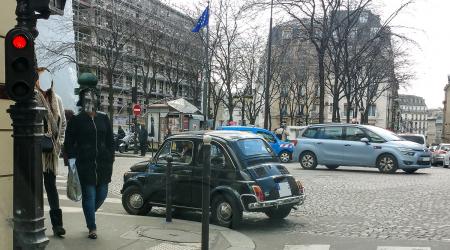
<point x="245" y="176"/>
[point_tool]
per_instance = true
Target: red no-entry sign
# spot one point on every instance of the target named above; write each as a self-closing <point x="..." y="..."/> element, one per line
<point x="137" y="109"/>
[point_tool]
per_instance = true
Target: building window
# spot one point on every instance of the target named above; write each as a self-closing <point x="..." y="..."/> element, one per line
<point x="286" y="33"/>
<point x="364" y="17"/>
<point x="372" y="110"/>
<point x="345" y="110"/>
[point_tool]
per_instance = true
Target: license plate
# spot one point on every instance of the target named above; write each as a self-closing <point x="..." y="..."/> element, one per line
<point x="425" y="159"/>
<point x="284" y="189"/>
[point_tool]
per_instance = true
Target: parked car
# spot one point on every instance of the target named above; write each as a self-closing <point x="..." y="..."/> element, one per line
<point x="446" y="162"/>
<point x="417" y="138"/>
<point x="294" y="132"/>
<point x="283" y="149"/>
<point x="245" y="176"/>
<point x="439" y="154"/>
<point x="335" y="145"/>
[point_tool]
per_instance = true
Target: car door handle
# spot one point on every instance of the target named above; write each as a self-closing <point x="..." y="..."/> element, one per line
<point x="319" y="142"/>
<point x="347" y="145"/>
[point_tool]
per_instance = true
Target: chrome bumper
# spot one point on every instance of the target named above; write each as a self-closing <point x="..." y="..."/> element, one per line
<point x="295" y="200"/>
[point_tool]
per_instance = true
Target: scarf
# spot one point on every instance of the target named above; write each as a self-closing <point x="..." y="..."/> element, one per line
<point x="52" y="118"/>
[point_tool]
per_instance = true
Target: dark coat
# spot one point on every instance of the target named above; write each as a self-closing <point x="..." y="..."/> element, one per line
<point x="143" y="136"/>
<point x="92" y="146"/>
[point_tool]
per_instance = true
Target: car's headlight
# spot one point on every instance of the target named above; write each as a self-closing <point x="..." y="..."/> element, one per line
<point x="407" y="151"/>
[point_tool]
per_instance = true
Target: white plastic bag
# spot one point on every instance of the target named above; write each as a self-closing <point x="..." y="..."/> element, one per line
<point x="73" y="184"/>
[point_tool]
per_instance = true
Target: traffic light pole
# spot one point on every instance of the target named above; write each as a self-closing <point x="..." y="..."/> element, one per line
<point x="27" y="122"/>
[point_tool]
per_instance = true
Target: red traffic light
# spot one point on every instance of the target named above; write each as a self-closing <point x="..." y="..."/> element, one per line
<point x="19" y="41"/>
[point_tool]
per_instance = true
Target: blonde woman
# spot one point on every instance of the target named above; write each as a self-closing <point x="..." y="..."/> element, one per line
<point x="54" y="130"/>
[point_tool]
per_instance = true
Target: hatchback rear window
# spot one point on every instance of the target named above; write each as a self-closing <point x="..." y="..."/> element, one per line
<point x="413" y="138"/>
<point x="254" y="147"/>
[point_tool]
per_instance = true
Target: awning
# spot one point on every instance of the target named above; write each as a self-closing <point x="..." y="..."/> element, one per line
<point x="198" y="117"/>
<point x="183" y="106"/>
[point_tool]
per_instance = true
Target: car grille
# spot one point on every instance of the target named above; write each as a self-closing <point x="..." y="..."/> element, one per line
<point x="423" y="163"/>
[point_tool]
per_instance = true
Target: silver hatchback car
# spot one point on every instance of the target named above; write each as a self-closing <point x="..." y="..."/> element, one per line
<point x="335" y="145"/>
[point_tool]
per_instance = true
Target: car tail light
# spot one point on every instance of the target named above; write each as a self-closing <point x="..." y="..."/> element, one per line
<point x="301" y="188"/>
<point x="294" y="142"/>
<point x="259" y="193"/>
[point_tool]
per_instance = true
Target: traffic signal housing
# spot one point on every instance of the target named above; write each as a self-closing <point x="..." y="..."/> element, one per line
<point x="20" y="65"/>
<point x="48" y="7"/>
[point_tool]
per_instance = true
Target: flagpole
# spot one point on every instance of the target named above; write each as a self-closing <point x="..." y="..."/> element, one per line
<point x="268" y="76"/>
<point x="208" y="75"/>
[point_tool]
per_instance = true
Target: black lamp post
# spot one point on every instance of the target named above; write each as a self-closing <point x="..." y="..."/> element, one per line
<point x="27" y="123"/>
<point x="134" y="100"/>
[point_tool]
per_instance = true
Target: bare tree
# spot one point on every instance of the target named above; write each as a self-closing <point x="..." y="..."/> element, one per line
<point x="113" y="30"/>
<point x="226" y="55"/>
<point x="250" y="54"/>
<point x="317" y="18"/>
<point x="148" y="39"/>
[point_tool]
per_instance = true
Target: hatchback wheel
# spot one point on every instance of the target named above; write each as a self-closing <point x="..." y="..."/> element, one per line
<point x="225" y="212"/>
<point x="308" y="160"/>
<point x="285" y="157"/>
<point x="133" y="201"/>
<point x="387" y="164"/>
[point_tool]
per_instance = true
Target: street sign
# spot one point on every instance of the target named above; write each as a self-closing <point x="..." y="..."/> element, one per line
<point x="137" y="109"/>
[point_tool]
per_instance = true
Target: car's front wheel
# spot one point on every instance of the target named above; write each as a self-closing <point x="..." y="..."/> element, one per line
<point x="225" y="212"/>
<point x="285" y="157"/>
<point x="133" y="201"/>
<point x="278" y="213"/>
<point x="387" y="164"/>
<point x="308" y="160"/>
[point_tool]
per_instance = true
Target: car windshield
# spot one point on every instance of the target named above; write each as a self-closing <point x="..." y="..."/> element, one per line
<point x="386" y="134"/>
<point x="413" y="138"/>
<point x="254" y="147"/>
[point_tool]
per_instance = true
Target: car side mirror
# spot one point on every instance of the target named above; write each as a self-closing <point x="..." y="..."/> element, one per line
<point x="365" y="140"/>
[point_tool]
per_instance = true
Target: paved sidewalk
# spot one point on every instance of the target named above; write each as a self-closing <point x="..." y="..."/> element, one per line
<point x="117" y="231"/>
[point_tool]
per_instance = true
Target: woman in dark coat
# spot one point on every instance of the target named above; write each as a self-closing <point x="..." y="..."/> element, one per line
<point x="89" y="145"/>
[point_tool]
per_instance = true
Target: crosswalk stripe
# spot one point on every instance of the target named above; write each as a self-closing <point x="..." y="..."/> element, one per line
<point x="306" y="247"/>
<point x="61" y="181"/>
<point x="107" y="200"/>
<point x="61" y="188"/>
<point x="402" y="248"/>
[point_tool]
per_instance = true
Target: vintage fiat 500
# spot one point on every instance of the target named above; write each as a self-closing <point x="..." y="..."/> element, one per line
<point x="245" y="176"/>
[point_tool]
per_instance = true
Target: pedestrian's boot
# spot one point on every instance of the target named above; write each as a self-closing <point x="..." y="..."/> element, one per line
<point x="57" y="223"/>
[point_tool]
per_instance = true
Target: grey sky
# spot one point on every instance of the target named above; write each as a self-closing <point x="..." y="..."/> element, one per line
<point x="428" y="20"/>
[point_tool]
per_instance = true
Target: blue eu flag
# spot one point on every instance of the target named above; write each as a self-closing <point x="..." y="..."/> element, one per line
<point x="202" y="21"/>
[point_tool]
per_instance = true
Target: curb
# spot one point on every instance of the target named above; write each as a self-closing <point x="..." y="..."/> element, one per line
<point x="236" y="240"/>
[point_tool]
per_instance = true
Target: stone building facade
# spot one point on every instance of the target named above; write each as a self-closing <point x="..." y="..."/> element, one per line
<point x="446" y="123"/>
<point x="435" y="118"/>
<point x="413" y="114"/>
<point x="298" y="55"/>
<point x="161" y="32"/>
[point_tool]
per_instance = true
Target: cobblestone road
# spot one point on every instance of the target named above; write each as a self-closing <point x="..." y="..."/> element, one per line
<point x="360" y="202"/>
